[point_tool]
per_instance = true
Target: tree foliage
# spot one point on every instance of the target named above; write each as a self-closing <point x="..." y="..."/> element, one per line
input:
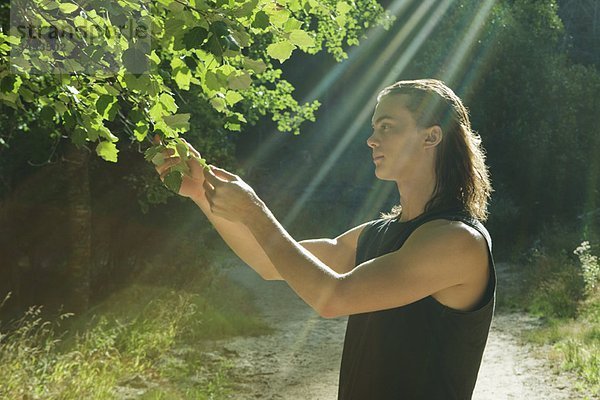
<point x="118" y="70"/>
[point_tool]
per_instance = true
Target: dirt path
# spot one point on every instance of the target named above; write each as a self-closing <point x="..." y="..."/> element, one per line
<point x="300" y="360"/>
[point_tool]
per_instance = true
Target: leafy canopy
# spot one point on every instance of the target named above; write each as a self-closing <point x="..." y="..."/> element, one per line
<point x="105" y="71"/>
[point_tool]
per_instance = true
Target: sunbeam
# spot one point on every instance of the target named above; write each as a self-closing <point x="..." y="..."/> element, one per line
<point x="416" y="44"/>
<point x="374" y="37"/>
<point x="365" y="91"/>
<point x="459" y="56"/>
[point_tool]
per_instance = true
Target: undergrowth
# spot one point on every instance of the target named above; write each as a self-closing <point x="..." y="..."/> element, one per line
<point x="561" y="284"/>
<point x="127" y="344"/>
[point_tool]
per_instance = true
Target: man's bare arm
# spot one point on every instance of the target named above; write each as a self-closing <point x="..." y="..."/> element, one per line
<point x="338" y="252"/>
<point x="439" y="255"/>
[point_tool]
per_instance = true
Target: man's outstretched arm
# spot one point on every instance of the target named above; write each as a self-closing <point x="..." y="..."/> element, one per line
<point x="338" y="252"/>
<point x="438" y="256"/>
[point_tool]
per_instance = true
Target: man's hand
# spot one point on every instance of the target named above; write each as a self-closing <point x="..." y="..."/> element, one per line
<point x="191" y="185"/>
<point x="229" y="196"/>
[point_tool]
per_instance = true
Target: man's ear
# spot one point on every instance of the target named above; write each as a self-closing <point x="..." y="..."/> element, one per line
<point x="433" y="136"/>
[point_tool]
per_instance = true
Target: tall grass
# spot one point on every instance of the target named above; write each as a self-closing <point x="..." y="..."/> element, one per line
<point x="131" y="339"/>
<point x="562" y="285"/>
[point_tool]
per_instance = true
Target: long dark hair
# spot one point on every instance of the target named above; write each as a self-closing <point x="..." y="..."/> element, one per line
<point x="462" y="177"/>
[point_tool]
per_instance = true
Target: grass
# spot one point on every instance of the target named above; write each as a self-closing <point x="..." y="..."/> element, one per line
<point x="144" y="342"/>
<point x="562" y="289"/>
<point x="575" y="344"/>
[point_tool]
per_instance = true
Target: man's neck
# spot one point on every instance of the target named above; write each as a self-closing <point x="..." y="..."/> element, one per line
<point x="414" y="196"/>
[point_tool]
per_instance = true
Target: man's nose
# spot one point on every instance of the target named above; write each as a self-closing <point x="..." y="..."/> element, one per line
<point x="371" y="141"/>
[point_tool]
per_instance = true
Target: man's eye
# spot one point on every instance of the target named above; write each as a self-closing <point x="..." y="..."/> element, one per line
<point x="384" y="126"/>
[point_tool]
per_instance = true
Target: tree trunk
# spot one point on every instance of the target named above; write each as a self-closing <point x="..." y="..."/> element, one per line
<point x="76" y="168"/>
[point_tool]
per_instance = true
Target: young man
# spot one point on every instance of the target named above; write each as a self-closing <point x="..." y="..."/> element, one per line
<point x="419" y="284"/>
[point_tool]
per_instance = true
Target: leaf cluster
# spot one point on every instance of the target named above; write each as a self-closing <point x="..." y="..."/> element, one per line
<point x="117" y="70"/>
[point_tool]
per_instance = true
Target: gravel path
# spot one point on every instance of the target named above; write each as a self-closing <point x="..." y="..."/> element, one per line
<point x="300" y="360"/>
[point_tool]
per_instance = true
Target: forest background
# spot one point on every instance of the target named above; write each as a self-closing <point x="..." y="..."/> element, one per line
<point x="76" y="229"/>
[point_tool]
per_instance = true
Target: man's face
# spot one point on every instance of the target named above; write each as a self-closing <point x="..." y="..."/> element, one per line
<point x="396" y="142"/>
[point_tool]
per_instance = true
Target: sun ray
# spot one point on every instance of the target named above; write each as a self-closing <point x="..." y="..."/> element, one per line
<point x="374" y="37"/>
<point x="364" y="91"/>
<point x="409" y="54"/>
<point x="459" y="56"/>
<point x="356" y="55"/>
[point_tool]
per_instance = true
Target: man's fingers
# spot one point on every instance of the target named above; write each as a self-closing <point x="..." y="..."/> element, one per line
<point x="208" y="188"/>
<point x="212" y="178"/>
<point x="192" y="149"/>
<point x="223" y="174"/>
<point x="168" y="163"/>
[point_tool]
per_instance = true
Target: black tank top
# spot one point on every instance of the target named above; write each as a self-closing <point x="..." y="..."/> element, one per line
<point x="423" y="350"/>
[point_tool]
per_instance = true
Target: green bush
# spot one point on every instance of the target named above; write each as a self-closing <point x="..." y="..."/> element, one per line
<point x="555" y="286"/>
<point x="590" y="266"/>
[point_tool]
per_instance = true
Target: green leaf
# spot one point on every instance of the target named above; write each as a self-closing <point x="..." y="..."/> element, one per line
<point x="168" y="102"/>
<point x="261" y="20"/>
<point x="173" y="180"/>
<point x="153" y="151"/>
<point x="233" y="97"/>
<point x="107" y="150"/>
<point x="178" y="121"/>
<point x="239" y="81"/>
<point x="104" y="105"/>
<point x="156" y="112"/>
<point x="246" y="9"/>
<point x="79" y="22"/>
<point x="231" y="44"/>
<point x="343" y="7"/>
<point x="79" y="136"/>
<point x="135" y="60"/>
<point x="47" y="113"/>
<point x="301" y="38"/>
<point x="194" y="37"/>
<point x="218" y="104"/>
<point x="158" y="159"/>
<point x="60" y="107"/>
<point x="233" y="122"/>
<point x="28" y="95"/>
<point x="7" y="85"/>
<point x="233" y="126"/>
<point x="215" y="47"/>
<point x="10" y="99"/>
<point x="140" y="131"/>
<point x="191" y="62"/>
<point x="68" y="8"/>
<point x="154" y="58"/>
<point x="281" y="50"/>
<point x="211" y="81"/>
<point x="279" y="16"/>
<point x="12" y="39"/>
<point x="143" y="83"/>
<point x="181" y="167"/>
<point x="257" y="66"/>
<point x="183" y="150"/>
<point x="219" y="28"/>
<point x="183" y="77"/>
<point x="135" y="115"/>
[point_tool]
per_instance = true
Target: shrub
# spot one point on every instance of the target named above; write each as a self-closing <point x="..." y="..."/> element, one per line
<point x="590" y="267"/>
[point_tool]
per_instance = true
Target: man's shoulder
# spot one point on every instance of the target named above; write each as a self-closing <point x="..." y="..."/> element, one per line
<point x="449" y="234"/>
